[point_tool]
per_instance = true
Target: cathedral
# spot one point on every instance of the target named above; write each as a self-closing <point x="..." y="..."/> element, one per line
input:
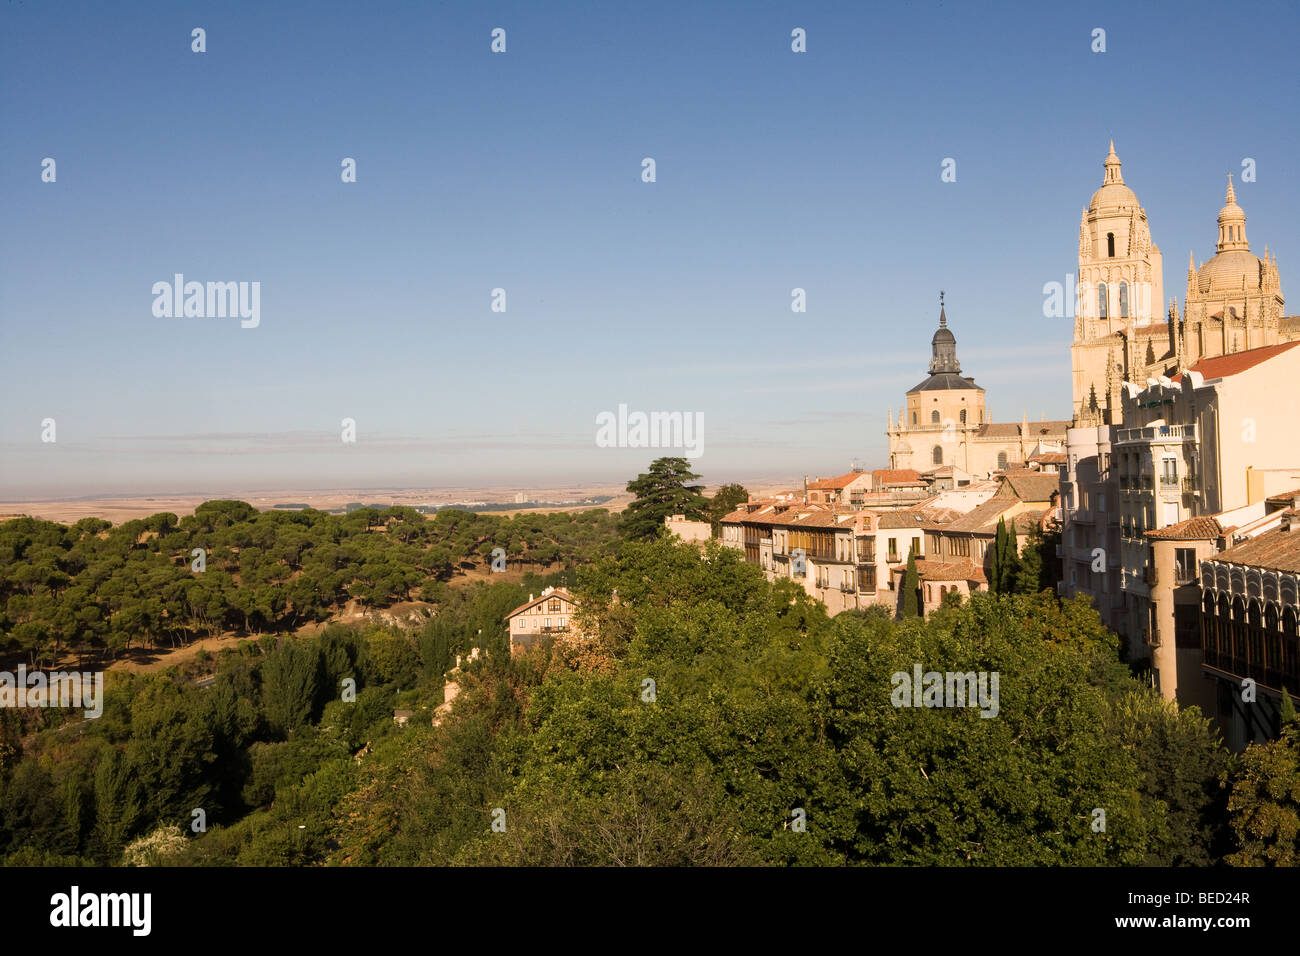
<point x="1233" y="300"/>
<point x="945" y="423"/>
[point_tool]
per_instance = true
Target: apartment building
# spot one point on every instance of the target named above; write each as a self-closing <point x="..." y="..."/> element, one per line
<point x="1250" y="628"/>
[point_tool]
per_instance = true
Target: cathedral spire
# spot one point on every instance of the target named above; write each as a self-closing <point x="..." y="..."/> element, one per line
<point x="943" y="347"/>
<point x="1232" y="223"/>
<point x="1113" y="164"/>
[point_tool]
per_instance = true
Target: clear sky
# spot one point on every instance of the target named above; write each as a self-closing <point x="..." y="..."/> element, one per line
<point x="522" y="171"/>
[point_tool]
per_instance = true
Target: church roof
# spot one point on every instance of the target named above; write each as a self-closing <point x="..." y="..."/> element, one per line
<point x="945" y="380"/>
<point x="1013" y="429"/>
<point x="1225" y="270"/>
<point x="1113" y="194"/>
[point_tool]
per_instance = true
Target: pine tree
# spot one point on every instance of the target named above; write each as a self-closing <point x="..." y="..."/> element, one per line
<point x="911" y="587"/>
<point x="660" y="492"/>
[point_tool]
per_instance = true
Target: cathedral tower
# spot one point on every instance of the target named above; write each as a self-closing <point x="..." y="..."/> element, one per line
<point x="1117" y="318"/>
<point x="1234" y="300"/>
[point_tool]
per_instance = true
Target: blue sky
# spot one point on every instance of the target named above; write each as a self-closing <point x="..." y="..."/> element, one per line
<point x="522" y="171"/>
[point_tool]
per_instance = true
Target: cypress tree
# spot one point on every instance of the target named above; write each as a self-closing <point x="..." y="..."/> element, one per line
<point x="911" y="587"/>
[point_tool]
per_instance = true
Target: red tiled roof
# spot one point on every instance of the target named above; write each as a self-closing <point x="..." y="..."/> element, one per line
<point x="1203" y="528"/>
<point x="888" y="476"/>
<point x="1224" y="365"/>
<point x="1275" y="550"/>
<point x="834" y="484"/>
<point x="982" y="519"/>
<point x="1030" y="485"/>
<point x="1049" y="458"/>
<point x="950" y="571"/>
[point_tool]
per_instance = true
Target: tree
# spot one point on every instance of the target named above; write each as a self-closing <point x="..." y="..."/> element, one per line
<point x="1032" y="575"/>
<point x="290" y="677"/>
<point x="1005" y="563"/>
<point x="912" y="606"/>
<point x="660" y="492"/>
<point x="725" y="500"/>
<point x="1264" y="805"/>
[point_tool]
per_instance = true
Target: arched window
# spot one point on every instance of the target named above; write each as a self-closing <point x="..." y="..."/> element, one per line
<point x="1002" y="461"/>
<point x="1102" y="311"/>
<point x="1123" y="300"/>
<point x="934" y="418"/>
<point x="1110" y="245"/>
<point x="963" y="416"/>
<point x="938" y="455"/>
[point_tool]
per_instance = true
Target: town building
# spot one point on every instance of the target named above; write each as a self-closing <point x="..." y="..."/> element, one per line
<point x="1250" y="628"/>
<point x="549" y="615"/>
<point x="945" y="422"/>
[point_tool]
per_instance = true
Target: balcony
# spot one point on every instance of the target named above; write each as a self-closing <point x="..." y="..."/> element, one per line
<point x="1150" y="575"/>
<point x="1168" y="482"/>
<point x="847" y="588"/>
<point x="1125" y="482"/>
<point x="1157" y="433"/>
<point x="1191" y="484"/>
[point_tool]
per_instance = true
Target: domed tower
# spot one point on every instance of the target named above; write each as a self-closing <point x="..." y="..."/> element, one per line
<point x="1234" y="300"/>
<point x="1120" y="291"/>
<point x="941" y="413"/>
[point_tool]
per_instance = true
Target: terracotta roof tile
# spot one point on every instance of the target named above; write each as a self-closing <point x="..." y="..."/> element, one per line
<point x="830" y="484"/>
<point x="1030" y="485"/>
<point x="964" y="570"/>
<point x="1203" y="528"/>
<point x="1275" y="550"/>
<point x="1224" y="365"/>
<point x="889" y="476"/>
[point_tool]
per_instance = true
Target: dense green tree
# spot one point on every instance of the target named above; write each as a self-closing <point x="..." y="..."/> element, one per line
<point x="1032" y="573"/>
<point x="1264" y="803"/>
<point x="666" y="489"/>
<point x="724" y="501"/>
<point x="910" y="595"/>
<point x="1005" y="563"/>
<point x="290" y="677"/>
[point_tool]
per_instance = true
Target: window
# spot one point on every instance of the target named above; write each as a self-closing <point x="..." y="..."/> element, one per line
<point x="1123" y="300"/>
<point x="553" y="606"/>
<point x="916" y="545"/>
<point x="963" y="416"/>
<point x="1102" y="311"/>
<point x="893" y="549"/>
<point x="913" y="418"/>
<point x="938" y="455"/>
<point x="1002" y="461"/>
<point x="1110" y="245"/>
<point x="934" y="418"/>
